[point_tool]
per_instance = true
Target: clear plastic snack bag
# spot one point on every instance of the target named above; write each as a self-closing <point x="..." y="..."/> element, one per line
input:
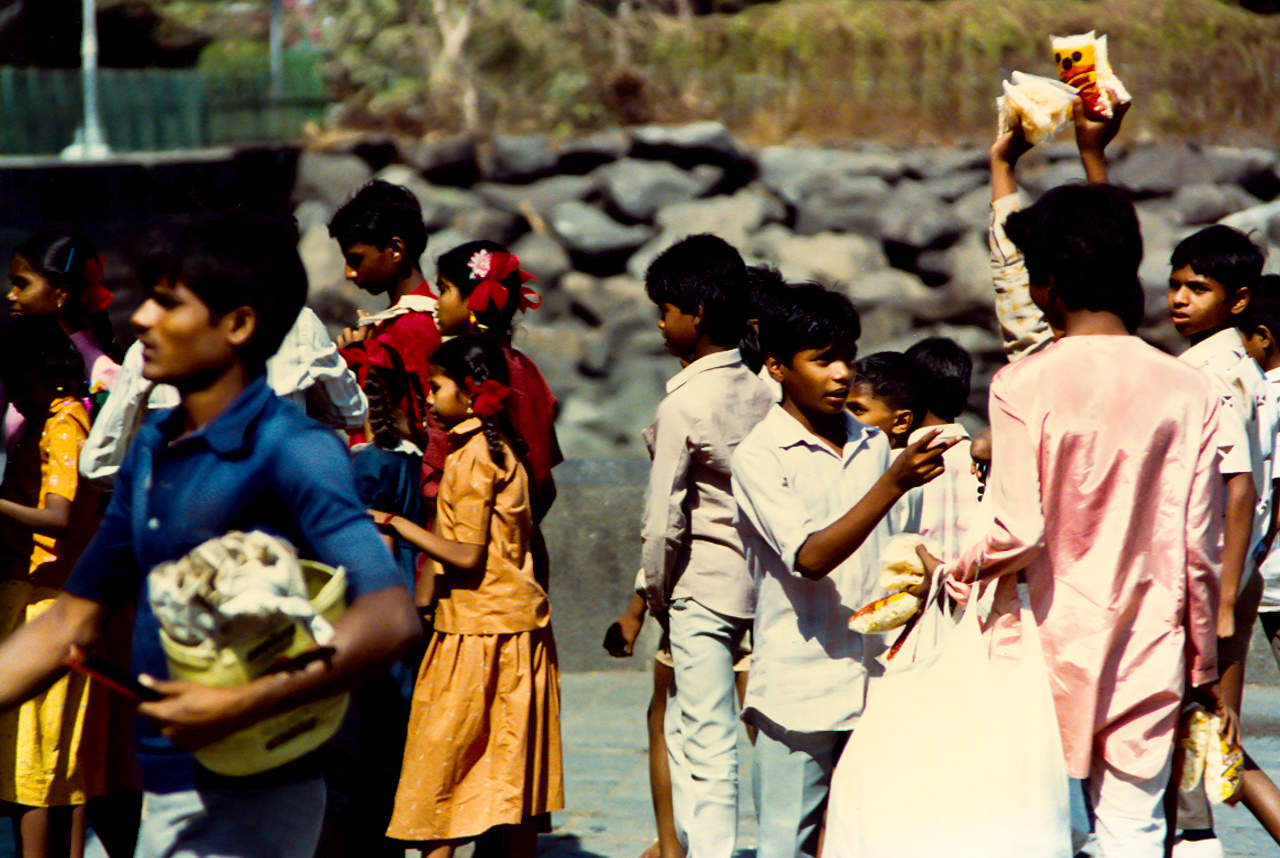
<point x="1040" y="105"/>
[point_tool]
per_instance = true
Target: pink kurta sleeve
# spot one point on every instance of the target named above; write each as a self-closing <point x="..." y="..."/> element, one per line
<point x="1204" y="570"/>
<point x="1016" y="536"/>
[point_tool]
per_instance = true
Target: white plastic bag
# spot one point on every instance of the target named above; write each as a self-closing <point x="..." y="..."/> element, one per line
<point x="958" y="754"/>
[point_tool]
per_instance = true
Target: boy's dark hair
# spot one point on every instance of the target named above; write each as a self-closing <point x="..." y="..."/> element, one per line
<point x="479" y="357"/>
<point x="1263" y="307"/>
<point x="897" y="379"/>
<point x="809" y="316"/>
<point x="377" y="213"/>
<point x="1225" y="254"/>
<point x="947" y="370"/>
<point x="238" y="259"/>
<point x="703" y="271"/>
<point x="765" y="287"/>
<point x="65" y="259"/>
<point x="36" y="345"/>
<point x="453" y="266"/>
<point x="1087" y="238"/>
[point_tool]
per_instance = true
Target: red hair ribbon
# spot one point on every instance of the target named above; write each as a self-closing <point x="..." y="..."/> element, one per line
<point x="492" y="269"/>
<point x="487" y="397"/>
<point x="96" y="297"/>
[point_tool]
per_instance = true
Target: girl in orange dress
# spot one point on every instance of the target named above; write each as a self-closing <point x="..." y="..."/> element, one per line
<point x="483" y="758"/>
<point x="47" y="745"/>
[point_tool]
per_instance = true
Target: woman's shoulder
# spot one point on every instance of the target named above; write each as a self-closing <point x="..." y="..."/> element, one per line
<point x="67" y="412"/>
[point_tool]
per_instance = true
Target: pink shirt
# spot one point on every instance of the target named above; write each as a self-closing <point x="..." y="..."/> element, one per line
<point x="1105" y="489"/>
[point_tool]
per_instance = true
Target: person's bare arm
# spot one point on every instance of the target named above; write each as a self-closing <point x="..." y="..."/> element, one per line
<point x="464" y="556"/>
<point x="373" y="631"/>
<point x="31" y="659"/>
<point x="620" y="638"/>
<point x="1237" y="531"/>
<point x="826" y="549"/>
<point x="1010" y="145"/>
<point x="1092" y="137"/>
<point x="53" y="520"/>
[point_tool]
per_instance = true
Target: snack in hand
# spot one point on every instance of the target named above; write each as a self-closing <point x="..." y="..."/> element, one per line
<point x="1040" y="105"/>
<point x="1208" y="753"/>
<point x="900" y="564"/>
<point x="885" y="615"/>
<point x="1082" y="63"/>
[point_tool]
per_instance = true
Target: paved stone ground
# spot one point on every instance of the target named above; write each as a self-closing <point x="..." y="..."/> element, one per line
<point x="607" y="777"/>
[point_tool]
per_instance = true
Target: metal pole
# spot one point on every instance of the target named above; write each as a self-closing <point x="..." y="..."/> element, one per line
<point x="94" y="144"/>
<point x="277" y="49"/>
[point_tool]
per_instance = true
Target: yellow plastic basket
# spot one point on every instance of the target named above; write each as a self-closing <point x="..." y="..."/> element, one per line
<point x="284" y="737"/>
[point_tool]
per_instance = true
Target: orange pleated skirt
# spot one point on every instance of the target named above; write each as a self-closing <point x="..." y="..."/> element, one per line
<point x="484" y="737"/>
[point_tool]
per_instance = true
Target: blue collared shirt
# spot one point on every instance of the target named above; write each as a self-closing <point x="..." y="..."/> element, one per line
<point x="259" y="465"/>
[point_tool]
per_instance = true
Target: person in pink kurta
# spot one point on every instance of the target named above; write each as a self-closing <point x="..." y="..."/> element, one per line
<point x="1105" y="494"/>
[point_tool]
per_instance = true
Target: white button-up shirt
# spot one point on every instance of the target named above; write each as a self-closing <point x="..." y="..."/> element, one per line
<point x="808" y="669"/>
<point x="307" y="370"/>
<point x="690" y="543"/>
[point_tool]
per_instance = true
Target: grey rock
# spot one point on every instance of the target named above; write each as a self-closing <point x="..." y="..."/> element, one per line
<point x="1162" y="168"/>
<point x="588" y="230"/>
<point x="829" y="258"/>
<point x="845" y="203"/>
<point x="584" y="154"/>
<point x="441" y="205"/>
<point x="795" y="172"/>
<point x="446" y="160"/>
<point x="544" y="257"/>
<point x="489" y="224"/>
<point x="638" y="189"/>
<point x="881" y="325"/>
<point x="310" y="212"/>
<point x="1206" y="203"/>
<point x="330" y="179"/>
<point x="696" y="137"/>
<point x="896" y="290"/>
<point x="1238" y="166"/>
<point x="967" y="264"/>
<point x="439" y="244"/>
<point x="913" y="217"/>
<point x="1045" y="175"/>
<point x="606" y="300"/>
<point x="556" y="347"/>
<point x="321" y="258"/>
<point x="536" y="200"/>
<point x="1263" y="222"/>
<point x="734" y="218"/>
<point x="954" y="185"/>
<point x="936" y="163"/>
<point x="520" y="158"/>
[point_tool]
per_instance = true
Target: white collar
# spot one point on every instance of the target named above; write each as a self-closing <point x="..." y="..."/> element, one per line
<point x="715" y="360"/>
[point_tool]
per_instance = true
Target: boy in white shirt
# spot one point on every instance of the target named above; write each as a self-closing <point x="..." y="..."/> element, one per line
<point x="695" y="576"/>
<point x="814" y="489"/>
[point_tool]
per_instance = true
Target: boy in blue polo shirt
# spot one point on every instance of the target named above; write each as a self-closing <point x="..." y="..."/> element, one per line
<point x="231" y="456"/>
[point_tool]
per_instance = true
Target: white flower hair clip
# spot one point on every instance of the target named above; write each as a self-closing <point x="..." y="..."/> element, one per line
<point x="480" y="263"/>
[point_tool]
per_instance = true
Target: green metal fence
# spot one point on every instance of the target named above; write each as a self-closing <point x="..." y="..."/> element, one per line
<point x="159" y="109"/>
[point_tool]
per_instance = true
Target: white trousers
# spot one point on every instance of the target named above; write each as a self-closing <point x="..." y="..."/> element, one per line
<point x="702" y="727"/>
<point x="1129" y="818"/>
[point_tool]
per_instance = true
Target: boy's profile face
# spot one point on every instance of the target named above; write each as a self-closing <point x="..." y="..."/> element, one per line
<point x="871" y="410"/>
<point x="816" y="381"/>
<point x="1200" y="304"/>
<point x="679" y="329"/>
<point x="374" y="269"/>
<point x="181" y="340"/>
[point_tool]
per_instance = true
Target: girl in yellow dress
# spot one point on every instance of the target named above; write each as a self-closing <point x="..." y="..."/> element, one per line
<point x="46" y="518"/>
<point x="482" y="760"/>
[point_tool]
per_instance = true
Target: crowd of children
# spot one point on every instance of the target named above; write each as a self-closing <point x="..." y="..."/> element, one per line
<point x="1130" y="493"/>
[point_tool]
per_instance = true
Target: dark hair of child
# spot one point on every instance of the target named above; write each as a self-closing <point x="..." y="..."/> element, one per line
<point x="1225" y="254"/>
<point x="897" y="379"/>
<point x="67" y="261"/>
<point x="479" y="358"/>
<point x="703" y="271"/>
<point x="809" y="316"/>
<point x="1085" y="237"/>
<point x="453" y="265"/>
<point x="947" y="373"/>
<point x="238" y="259"/>
<point x="36" y="346"/>
<point x="1263" y="309"/>
<point x="377" y="213"/>
<point x="764" y="289"/>
<point x="386" y="388"/>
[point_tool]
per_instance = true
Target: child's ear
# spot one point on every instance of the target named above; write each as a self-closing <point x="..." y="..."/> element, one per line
<point x="1240" y="301"/>
<point x="240" y="324"/>
<point x="774" y="366"/>
<point x="698" y="315"/>
<point x="902" y="420"/>
<point x="396" y="247"/>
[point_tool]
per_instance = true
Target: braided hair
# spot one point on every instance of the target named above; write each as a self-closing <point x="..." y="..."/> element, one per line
<point x="389" y="390"/>
<point x="453" y="266"/>
<point x="64" y="259"/>
<point x="480" y="358"/>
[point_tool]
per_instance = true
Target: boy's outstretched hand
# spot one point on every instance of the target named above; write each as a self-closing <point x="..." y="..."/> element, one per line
<point x="919" y="462"/>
